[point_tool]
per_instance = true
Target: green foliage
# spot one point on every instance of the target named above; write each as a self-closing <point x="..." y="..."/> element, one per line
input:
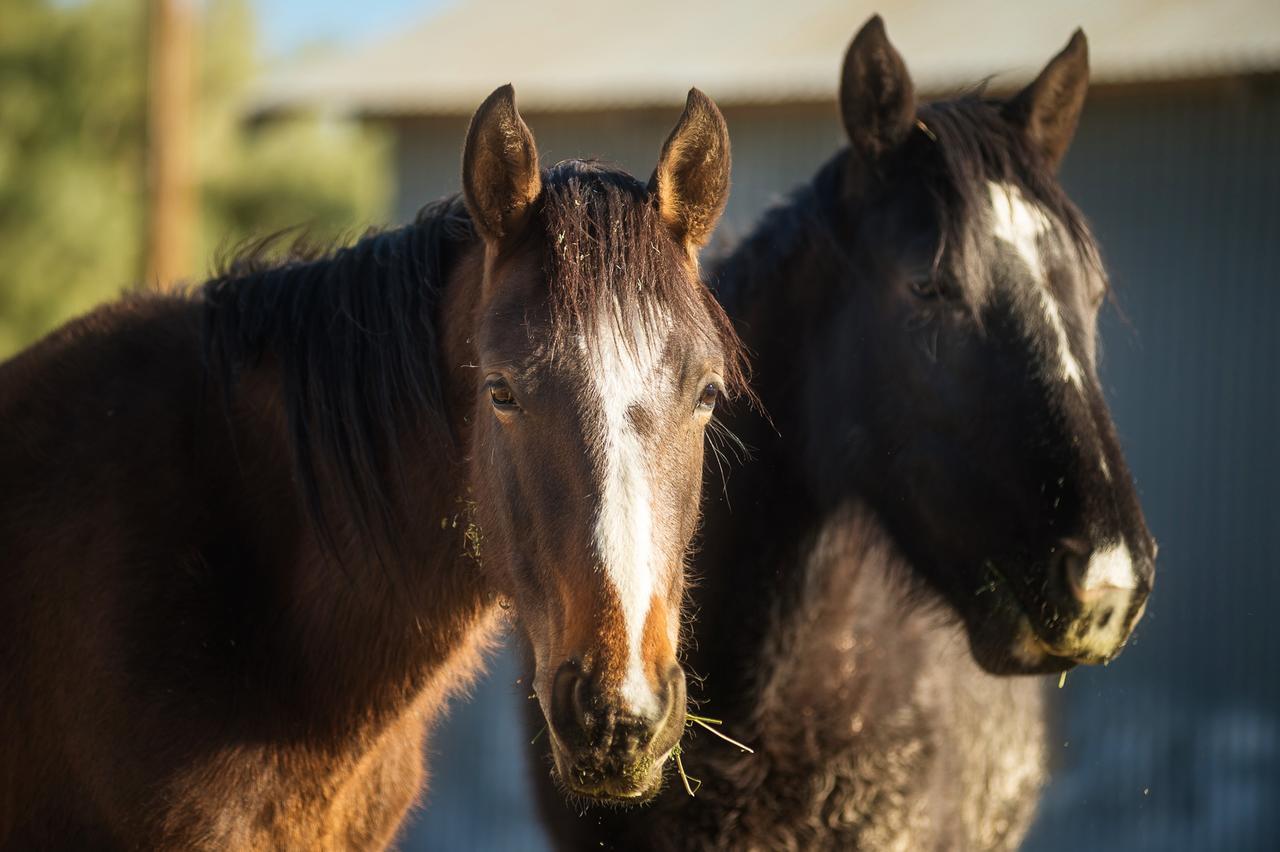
<point x="72" y="148"/>
<point x="71" y="125"/>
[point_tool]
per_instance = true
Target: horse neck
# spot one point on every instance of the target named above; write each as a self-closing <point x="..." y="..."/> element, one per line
<point x="809" y="577"/>
<point x="766" y="511"/>
<point x="370" y="629"/>
<point x="797" y="612"/>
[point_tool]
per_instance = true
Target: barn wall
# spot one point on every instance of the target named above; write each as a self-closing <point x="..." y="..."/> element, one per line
<point x="1177" y="744"/>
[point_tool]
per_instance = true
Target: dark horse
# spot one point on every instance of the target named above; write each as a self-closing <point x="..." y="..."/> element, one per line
<point x="253" y="537"/>
<point x="923" y="318"/>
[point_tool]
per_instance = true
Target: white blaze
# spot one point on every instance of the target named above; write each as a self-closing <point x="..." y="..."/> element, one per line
<point x="1113" y="567"/>
<point x="623" y="372"/>
<point x="1020" y="224"/>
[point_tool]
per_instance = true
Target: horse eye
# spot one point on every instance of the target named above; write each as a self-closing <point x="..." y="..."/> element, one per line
<point x="707" y="399"/>
<point x="501" y="396"/>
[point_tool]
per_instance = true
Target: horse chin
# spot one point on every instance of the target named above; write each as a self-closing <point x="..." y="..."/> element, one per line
<point x="1003" y="640"/>
<point x="1032" y="655"/>
<point x="634" y="785"/>
<point x="1078" y="656"/>
<point x="1006" y="640"/>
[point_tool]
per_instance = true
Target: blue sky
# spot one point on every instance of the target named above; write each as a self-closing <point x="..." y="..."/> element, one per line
<point x="286" y="25"/>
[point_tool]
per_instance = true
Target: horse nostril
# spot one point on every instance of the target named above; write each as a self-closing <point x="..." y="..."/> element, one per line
<point x="674" y="693"/>
<point x="569" y="700"/>
<point x="1069" y="563"/>
<point x="601" y="727"/>
<point x="580" y="701"/>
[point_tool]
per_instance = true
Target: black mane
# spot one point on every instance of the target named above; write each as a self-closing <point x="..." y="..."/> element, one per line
<point x="355" y="335"/>
<point x="741" y="269"/>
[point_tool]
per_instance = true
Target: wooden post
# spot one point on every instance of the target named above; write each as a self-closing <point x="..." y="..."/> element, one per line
<point x="171" y="197"/>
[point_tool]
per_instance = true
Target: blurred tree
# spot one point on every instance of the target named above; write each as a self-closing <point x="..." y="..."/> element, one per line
<point x="72" y="173"/>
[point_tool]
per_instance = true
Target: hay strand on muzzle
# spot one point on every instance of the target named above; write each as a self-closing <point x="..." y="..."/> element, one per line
<point x="693" y="785"/>
<point x="707" y="723"/>
<point x="685" y="778"/>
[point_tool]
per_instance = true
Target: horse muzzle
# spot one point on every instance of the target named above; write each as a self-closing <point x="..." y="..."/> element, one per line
<point x="605" y="752"/>
<point x="1098" y="596"/>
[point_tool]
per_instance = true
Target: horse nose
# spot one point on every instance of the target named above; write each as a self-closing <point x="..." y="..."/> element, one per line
<point x="1093" y="576"/>
<point x="569" y="701"/>
<point x="1104" y="588"/>
<point x="586" y="717"/>
<point x="1068" y="567"/>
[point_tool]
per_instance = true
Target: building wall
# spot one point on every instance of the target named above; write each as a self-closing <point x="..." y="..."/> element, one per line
<point x="1176" y="745"/>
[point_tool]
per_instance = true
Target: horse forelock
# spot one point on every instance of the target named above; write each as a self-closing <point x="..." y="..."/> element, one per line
<point x="612" y="263"/>
<point x="962" y="148"/>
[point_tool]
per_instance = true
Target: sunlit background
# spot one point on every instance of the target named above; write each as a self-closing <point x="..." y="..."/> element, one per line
<point x="339" y="115"/>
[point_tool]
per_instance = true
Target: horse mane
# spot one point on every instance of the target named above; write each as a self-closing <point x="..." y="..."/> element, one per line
<point x="607" y="251"/>
<point x="975" y="144"/>
<point x="354" y="332"/>
<point x="740" y="270"/>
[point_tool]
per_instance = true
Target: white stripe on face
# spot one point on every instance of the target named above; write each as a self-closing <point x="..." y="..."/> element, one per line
<point x="1111" y="567"/>
<point x="1020" y="224"/>
<point x="623" y="373"/>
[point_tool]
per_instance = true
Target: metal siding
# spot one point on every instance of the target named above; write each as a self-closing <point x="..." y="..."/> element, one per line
<point x="1176" y="745"/>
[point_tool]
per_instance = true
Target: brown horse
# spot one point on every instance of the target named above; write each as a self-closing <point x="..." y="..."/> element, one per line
<point x="940" y="506"/>
<point x="254" y="536"/>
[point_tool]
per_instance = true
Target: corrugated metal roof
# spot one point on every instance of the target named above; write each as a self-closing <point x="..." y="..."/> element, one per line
<point x="573" y="55"/>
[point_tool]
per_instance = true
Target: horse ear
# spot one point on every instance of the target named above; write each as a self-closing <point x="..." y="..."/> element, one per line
<point x="691" y="182"/>
<point x="1048" y="110"/>
<point x="877" y="97"/>
<point x="500" y="176"/>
